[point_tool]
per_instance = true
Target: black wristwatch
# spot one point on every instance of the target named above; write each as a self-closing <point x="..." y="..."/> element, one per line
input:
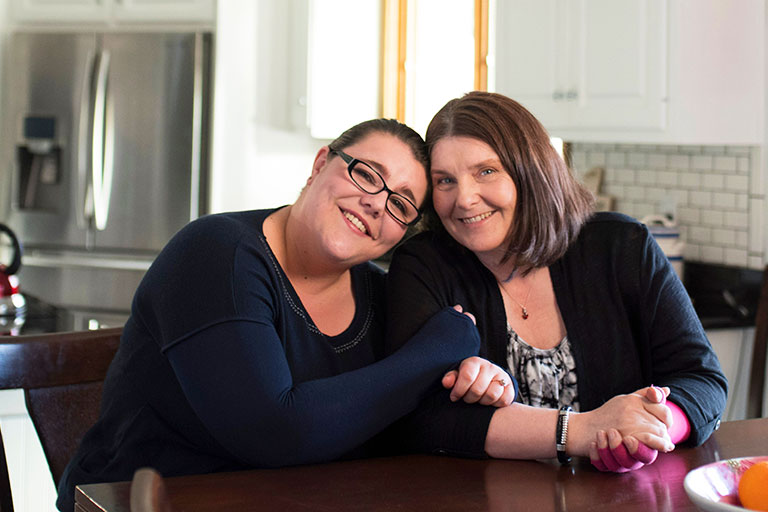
<point x="561" y="435"/>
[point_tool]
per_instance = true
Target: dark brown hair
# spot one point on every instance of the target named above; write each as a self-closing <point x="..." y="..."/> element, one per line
<point x="391" y="126"/>
<point x="552" y="205"/>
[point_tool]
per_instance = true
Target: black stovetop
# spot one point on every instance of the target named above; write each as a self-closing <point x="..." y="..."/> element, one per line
<point x="40" y="317"/>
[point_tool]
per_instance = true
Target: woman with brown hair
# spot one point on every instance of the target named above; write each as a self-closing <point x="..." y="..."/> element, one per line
<point x="582" y="308"/>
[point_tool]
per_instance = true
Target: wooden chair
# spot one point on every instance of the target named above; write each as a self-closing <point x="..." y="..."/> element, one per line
<point x="756" y="389"/>
<point x="148" y="492"/>
<point x="62" y="376"/>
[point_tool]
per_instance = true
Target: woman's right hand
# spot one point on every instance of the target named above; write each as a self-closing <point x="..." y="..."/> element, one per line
<point x="478" y="380"/>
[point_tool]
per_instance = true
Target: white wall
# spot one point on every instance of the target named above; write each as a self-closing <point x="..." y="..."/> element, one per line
<point x="262" y="152"/>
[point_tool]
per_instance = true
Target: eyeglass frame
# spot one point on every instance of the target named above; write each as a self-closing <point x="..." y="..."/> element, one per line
<point x="351" y="161"/>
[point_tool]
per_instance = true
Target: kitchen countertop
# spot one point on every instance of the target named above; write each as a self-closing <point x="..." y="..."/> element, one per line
<point x="724" y="297"/>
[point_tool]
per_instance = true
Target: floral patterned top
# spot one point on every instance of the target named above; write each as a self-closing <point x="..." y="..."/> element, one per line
<point x="547" y="378"/>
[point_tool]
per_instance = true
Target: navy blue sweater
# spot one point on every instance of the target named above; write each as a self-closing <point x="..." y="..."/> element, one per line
<point x="628" y="317"/>
<point x="220" y="367"/>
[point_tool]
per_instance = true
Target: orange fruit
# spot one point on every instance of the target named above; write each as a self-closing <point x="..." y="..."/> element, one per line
<point x="753" y="487"/>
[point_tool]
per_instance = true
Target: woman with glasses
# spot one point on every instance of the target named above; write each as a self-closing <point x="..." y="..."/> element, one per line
<point x="256" y="338"/>
<point x="583" y="308"/>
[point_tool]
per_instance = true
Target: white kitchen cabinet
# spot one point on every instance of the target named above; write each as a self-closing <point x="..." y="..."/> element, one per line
<point x="112" y="12"/>
<point x="733" y="347"/>
<point x="585" y="64"/>
<point x="31" y="482"/>
<point x="637" y="71"/>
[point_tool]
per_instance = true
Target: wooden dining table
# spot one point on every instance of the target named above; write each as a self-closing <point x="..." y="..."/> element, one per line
<point x="425" y="483"/>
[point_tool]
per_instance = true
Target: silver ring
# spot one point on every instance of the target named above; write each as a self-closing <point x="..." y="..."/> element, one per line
<point x="502" y="382"/>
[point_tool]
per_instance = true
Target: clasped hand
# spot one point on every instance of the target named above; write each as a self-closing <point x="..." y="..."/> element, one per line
<point x="645" y="419"/>
<point x="479" y="381"/>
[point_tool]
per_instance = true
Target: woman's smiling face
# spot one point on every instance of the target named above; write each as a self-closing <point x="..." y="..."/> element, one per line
<point x="473" y="194"/>
<point x="353" y="225"/>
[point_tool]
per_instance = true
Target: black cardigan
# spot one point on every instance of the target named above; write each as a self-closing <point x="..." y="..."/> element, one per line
<point x="628" y="317"/>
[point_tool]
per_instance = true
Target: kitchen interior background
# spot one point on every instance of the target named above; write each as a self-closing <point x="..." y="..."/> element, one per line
<point x="281" y="91"/>
<point x="277" y="86"/>
<point x="716" y="189"/>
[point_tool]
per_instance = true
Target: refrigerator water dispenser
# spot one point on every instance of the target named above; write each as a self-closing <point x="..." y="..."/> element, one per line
<point x="38" y="163"/>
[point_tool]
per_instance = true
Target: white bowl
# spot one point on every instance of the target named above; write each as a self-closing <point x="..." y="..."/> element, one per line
<point x="715" y="487"/>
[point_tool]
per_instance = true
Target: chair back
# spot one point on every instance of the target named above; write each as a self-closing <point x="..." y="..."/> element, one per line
<point x="62" y="376"/>
<point x="756" y="389"/>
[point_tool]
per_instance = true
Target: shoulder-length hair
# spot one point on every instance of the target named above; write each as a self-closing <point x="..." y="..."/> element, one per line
<point x="552" y="205"/>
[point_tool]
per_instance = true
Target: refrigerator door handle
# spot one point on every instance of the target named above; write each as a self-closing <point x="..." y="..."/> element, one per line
<point x="102" y="149"/>
<point x="84" y="187"/>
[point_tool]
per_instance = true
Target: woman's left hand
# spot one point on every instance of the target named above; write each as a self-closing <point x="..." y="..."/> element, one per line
<point x="479" y="381"/>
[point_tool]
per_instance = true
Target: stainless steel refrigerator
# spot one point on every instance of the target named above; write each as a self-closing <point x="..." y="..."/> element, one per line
<point x="105" y="152"/>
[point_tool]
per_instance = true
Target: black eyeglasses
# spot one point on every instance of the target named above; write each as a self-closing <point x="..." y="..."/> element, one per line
<point x="370" y="181"/>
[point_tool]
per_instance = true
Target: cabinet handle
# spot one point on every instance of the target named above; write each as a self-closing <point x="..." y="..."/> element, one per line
<point x="571" y="95"/>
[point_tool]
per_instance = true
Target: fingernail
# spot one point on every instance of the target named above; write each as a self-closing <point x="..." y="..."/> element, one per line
<point x="661" y="393"/>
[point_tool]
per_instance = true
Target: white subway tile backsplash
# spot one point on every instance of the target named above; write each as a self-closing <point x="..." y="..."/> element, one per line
<point x="616" y="159"/>
<point x="715" y="193"/>
<point x="712" y="218"/>
<point x="688" y="216"/>
<point x="701" y="162"/>
<point x="726" y="237"/>
<point x="736" y="219"/>
<point x="743" y="164"/>
<point x="634" y="192"/>
<point x="737" y="183"/>
<point x="757" y="225"/>
<point x="682" y="196"/>
<point x="713" y="181"/>
<point x="713" y="150"/>
<point x="595" y="158"/>
<point x="579" y="161"/>
<point x="700" y="198"/>
<point x="711" y="254"/>
<point x="742" y="240"/>
<point x="626" y="176"/>
<point x="646" y="177"/>
<point x="690" y="179"/>
<point x="735" y="257"/>
<point x="700" y="234"/>
<point x="614" y="190"/>
<point x="657" y="161"/>
<point x="692" y="252"/>
<point x="680" y="162"/>
<point x="724" y="200"/>
<point x="656" y="194"/>
<point x="637" y="160"/>
<point x="666" y="178"/>
<point x="725" y="163"/>
<point x="644" y="209"/>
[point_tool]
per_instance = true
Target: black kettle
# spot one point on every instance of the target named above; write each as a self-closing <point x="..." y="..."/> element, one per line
<point x="11" y="301"/>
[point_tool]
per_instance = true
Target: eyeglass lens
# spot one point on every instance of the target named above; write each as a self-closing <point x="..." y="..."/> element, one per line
<point x="371" y="182"/>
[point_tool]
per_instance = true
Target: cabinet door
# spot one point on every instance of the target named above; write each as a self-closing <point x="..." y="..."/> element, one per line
<point x="585" y="64"/>
<point x="58" y="11"/>
<point x="531" y="57"/>
<point x="164" y="10"/>
<point x="621" y="77"/>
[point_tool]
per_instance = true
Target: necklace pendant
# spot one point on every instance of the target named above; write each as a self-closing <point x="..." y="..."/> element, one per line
<point x="525" y="313"/>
